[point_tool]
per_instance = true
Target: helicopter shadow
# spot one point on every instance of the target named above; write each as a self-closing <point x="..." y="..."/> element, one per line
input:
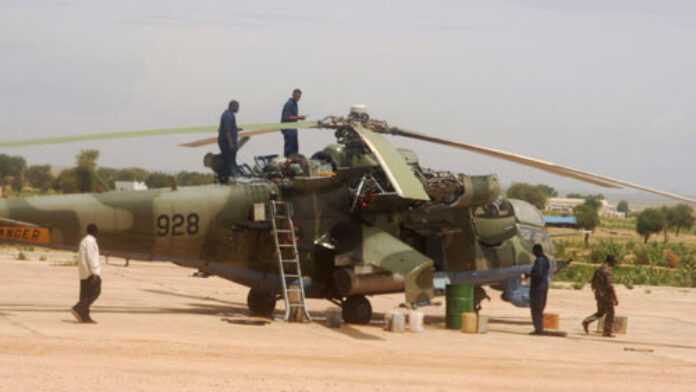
<point x="239" y="314"/>
<point x="191" y="308"/>
<point x="189" y="296"/>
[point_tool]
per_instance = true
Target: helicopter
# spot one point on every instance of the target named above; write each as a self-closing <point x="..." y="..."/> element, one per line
<point x="365" y="218"/>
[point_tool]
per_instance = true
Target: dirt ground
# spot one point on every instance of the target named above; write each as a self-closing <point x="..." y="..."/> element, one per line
<point x="162" y="330"/>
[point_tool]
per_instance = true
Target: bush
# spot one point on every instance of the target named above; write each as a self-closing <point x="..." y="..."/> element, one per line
<point x="630" y="276"/>
<point x="603" y="248"/>
<point x="671" y="258"/>
<point x="650" y="254"/>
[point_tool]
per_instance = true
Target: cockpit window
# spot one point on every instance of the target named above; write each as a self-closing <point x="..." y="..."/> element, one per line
<point x="527" y="213"/>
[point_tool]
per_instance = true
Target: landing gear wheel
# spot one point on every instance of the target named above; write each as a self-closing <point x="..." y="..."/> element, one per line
<point x="357" y="310"/>
<point x="261" y="303"/>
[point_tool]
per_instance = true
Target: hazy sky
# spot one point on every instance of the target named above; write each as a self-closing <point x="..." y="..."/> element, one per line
<point x="606" y="86"/>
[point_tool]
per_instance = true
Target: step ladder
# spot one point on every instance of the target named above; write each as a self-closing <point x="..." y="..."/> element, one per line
<point x="288" y="260"/>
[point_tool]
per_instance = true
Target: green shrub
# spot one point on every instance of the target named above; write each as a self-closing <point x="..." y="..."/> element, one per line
<point x="601" y="249"/>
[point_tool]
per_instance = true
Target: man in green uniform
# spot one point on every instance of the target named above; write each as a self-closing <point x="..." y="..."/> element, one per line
<point x="605" y="295"/>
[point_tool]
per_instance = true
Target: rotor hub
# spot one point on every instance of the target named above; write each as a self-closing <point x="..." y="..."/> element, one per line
<point x="358" y="112"/>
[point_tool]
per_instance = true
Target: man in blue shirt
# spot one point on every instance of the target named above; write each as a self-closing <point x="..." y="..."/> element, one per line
<point x="291" y="114"/>
<point x="539" y="288"/>
<point x="227" y="141"/>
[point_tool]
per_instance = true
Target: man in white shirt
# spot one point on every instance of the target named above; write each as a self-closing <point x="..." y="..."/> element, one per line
<point x="90" y="271"/>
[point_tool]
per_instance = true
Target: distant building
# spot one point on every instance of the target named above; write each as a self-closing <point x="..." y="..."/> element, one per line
<point x="130" y="186"/>
<point x="564" y="205"/>
<point x="560" y="221"/>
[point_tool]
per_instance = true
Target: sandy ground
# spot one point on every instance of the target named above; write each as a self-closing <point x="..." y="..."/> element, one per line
<point x="162" y="330"/>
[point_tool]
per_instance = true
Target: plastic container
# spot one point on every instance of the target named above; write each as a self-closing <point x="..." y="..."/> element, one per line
<point x="551" y="321"/>
<point x="469" y="322"/>
<point x="415" y="321"/>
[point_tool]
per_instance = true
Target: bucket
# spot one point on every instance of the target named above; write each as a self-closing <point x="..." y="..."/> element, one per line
<point x="482" y="324"/>
<point x="334" y="318"/>
<point x="398" y="321"/>
<point x="460" y="299"/>
<point x="551" y="321"/>
<point x="469" y="322"/>
<point x="620" y="325"/>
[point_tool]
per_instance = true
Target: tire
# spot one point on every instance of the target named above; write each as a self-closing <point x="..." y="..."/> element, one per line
<point x="357" y="310"/>
<point x="261" y="303"/>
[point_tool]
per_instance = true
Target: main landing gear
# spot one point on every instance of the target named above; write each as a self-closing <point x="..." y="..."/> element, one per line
<point x="261" y="303"/>
<point x="357" y="310"/>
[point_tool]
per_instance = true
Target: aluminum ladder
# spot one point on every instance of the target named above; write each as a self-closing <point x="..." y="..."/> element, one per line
<point x="288" y="261"/>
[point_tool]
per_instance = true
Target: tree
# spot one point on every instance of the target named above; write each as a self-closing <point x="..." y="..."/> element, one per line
<point x="650" y="221"/>
<point x="623" y="207"/>
<point x="587" y="216"/>
<point x="681" y="217"/>
<point x="547" y="190"/>
<point x="598" y="196"/>
<point x="132" y="174"/>
<point x="529" y="193"/>
<point x="12" y="170"/>
<point x="11" y="166"/>
<point x="594" y="202"/>
<point x="67" y="182"/>
<point x="189" y="178"/>
<point x="159" y="180"/>
<point x="39" y="177"/>
<point x="86" y="170"/>
<point x="107" y="176"/>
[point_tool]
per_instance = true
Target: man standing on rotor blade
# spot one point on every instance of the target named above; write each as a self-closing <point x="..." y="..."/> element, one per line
<point x="539" y="288"/>
<point x="227" y="141"/>
<point x="291" y="114"/>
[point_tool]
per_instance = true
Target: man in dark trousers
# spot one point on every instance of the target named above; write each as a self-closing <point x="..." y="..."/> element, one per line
<point x="291" y="114"/>
<point x="227" y="141"/>
<point x="539" y="288"/>
<point x="605" y="295"/>
<point x="90" y="275"/>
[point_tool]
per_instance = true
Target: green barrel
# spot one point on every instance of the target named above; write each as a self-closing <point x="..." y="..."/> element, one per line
<point x="460" y="299"/>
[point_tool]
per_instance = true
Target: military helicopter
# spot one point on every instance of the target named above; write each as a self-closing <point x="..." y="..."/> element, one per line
<point x="364" y="218"/>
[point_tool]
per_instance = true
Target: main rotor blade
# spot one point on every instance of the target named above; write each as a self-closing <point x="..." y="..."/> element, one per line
<point x="401" y="176"/>
<point x="546" y="166"/>
<point x="260" y="128"/>
<point x="106" y="136"/>
<point x="255" y="130"/>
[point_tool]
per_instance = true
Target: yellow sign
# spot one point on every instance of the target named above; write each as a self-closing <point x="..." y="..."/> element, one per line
<point x="35" y="235"/>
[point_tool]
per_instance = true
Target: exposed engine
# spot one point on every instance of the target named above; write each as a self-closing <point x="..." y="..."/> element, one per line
<point x="458" y="190"/>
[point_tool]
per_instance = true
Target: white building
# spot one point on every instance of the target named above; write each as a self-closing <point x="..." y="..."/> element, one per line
<point x="130" y="186"/>
<point x="566" y="205"/>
